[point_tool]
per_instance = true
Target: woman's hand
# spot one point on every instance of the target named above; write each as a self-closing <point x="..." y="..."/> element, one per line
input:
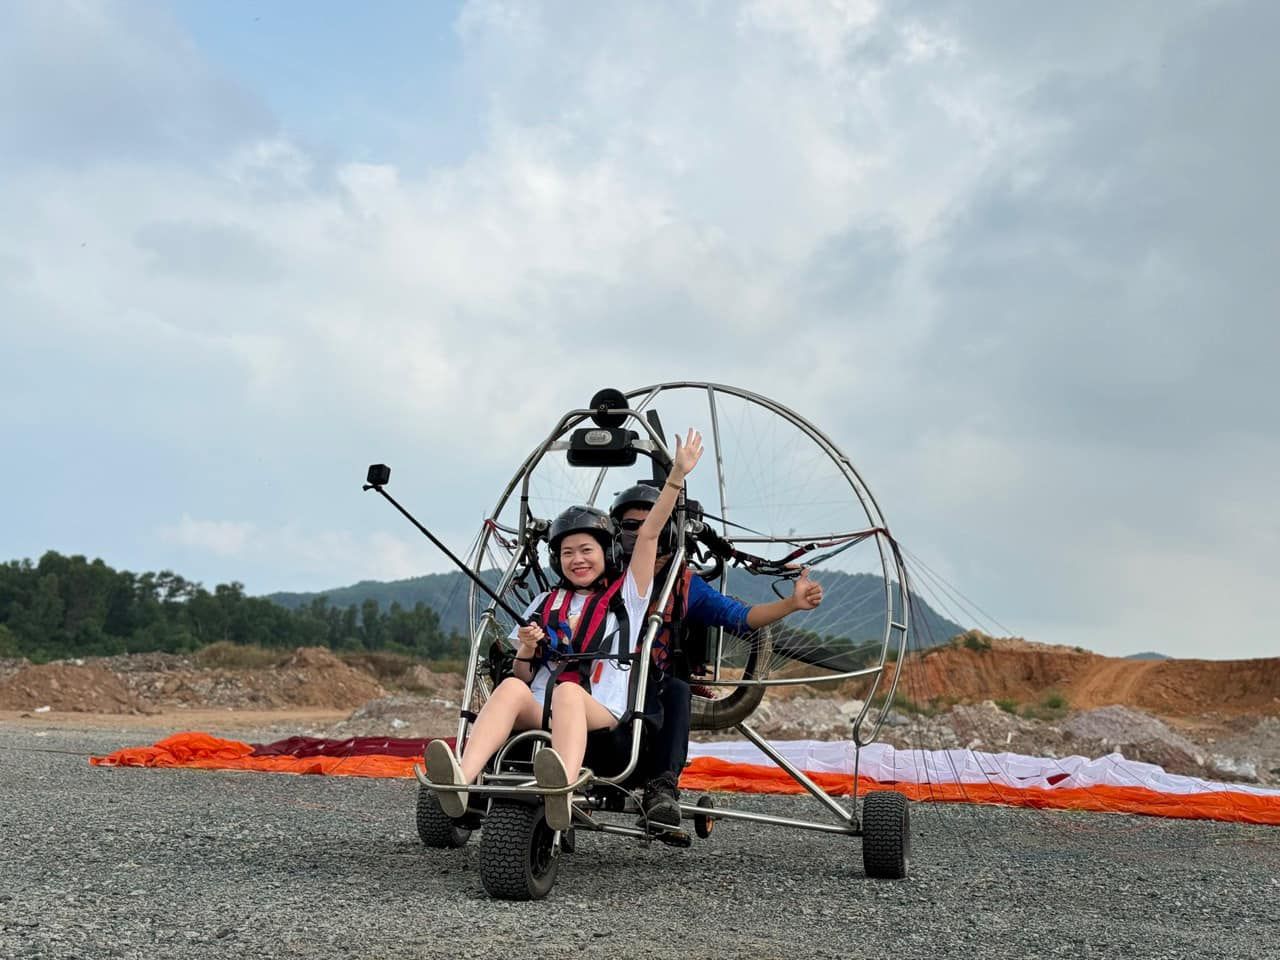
<point x="529" y="636"/>
<point x="687" y="454"/>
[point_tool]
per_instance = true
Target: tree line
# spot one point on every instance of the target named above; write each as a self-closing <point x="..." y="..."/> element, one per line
<point x="64" y="606"/>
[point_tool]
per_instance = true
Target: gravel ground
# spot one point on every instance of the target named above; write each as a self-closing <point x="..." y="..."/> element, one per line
<point x="173" y="863"/>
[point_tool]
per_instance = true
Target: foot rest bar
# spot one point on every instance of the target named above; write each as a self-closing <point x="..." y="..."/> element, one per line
<point x="524" y="785"/>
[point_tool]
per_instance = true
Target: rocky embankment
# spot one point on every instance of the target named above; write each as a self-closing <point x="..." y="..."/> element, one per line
<point x="162" y="683"/>
<point x="1234" y="748"/>
<point x="386" y="696"/>
<point x="975" y="667"/>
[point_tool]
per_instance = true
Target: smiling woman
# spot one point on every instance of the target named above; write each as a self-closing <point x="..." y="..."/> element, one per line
<point x="581" y="559"/>
<point x="583" y="547"/>
<point x="597" y="612"/>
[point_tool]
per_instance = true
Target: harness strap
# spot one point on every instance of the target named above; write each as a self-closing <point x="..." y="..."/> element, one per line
<point x="666" y="643"/>
<point x="555" y="623"/>
<point x="593" y="615"/>
<point x="589" y="636"/>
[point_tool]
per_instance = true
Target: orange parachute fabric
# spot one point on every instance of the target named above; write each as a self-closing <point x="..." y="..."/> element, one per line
<point x="709" y="773"/>
<point x="205" y="752"/>
<point x="354" y="759"/>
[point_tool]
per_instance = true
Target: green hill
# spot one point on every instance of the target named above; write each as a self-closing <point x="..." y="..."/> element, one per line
<point x="848" y="597"/>
<point x="70" y="606"/>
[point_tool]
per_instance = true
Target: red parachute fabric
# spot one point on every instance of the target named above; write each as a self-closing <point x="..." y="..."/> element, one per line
<point x="383" y="757"/>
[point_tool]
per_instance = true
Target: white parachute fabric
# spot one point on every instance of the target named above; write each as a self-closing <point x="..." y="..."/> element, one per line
<point x="886" y="764"/>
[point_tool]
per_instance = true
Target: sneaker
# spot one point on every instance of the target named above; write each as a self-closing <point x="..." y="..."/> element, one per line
<point x="550" y="771"/>
<point x="443" y="767"/>
<point x="661" y="800"/>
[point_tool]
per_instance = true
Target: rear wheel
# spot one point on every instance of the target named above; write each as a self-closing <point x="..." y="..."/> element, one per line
<point x="434" y="828"/>
<point x="720" y="708"/>
<point x="886" y="835"/>
<point x="702" y="823"/>
<point x="518" y="858"/>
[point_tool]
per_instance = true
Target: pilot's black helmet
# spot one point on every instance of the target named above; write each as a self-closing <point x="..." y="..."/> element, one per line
<point x="642" y="495"/>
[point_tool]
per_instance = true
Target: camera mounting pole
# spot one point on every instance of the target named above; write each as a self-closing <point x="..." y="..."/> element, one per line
<point x="378" y="476"/>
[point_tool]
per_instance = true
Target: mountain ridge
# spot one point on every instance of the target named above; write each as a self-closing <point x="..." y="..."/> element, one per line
<point x="447" y="593"/>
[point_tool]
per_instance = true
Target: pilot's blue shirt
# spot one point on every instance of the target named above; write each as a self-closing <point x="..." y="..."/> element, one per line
<point x="711" y="608"/>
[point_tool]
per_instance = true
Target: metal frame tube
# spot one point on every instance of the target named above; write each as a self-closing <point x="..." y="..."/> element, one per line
<point x="790" y="681"/>
<point x="652" y="623"/>
<point x="724" y="521"/>
<point x="473" y="661"/>
<point x="796" y="774"/>
<point x="890" y="560"/>
<point x="891" y="567"/>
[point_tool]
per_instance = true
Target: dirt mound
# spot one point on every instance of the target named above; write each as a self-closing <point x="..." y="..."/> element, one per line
<point x="309" y="677"/>
<point x="1252" y="746"/>
<point x="1184" y="687"/>
<point x="1140" y="736"/>
<point x="1027" y="673"/>
<point x="422" y="680"/>
<point x="313" y="676"/>
<point x="400" y="715"/>
<point x="1132" y="733"/>
<point x="314" y="658"/>
<point x="150" y="682"/>
<point x="67" y="686"/>
<point x="151" y="662"/>
<point x="11" y="665"/>
<point x="797" y="717"/>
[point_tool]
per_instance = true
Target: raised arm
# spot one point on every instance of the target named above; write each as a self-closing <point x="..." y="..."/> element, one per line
<point x="646" y="549"/>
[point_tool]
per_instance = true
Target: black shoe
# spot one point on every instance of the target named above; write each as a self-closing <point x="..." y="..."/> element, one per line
<point x="662" y="800"/>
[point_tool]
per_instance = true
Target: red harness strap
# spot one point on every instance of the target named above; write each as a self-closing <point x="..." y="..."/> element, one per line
<point x="662" y="643"/>
<point x="594" y="613"/>
<point x="551" y="619"/>
<point x="554" y="617"/>
<point x="586" y="639"/>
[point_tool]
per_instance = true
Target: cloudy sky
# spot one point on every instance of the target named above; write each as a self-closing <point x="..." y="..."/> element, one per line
<point x="1018" y="259"/>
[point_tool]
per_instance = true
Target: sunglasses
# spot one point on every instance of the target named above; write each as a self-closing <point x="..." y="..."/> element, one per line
<point x="631" y="525"/>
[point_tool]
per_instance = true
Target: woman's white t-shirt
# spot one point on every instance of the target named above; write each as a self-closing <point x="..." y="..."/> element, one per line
<point x="609" y="680"/>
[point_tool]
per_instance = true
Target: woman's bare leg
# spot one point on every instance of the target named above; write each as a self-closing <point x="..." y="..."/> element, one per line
<point x="574" y="713"/>
<point x="510" y="707"/>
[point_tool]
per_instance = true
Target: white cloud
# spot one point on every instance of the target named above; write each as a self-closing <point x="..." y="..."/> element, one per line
<point x="319" y="557"/>
<point x="1014" y="262"/>
<point x="226" y="538"/>
<point x="821" y="28"/>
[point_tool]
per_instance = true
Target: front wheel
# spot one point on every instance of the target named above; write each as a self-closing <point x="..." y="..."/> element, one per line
<point x="435" y="829"/>
<point x="518" y="859"/>
<point x="886" y="835"/>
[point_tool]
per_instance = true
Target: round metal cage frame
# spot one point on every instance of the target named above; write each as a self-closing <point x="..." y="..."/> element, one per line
<point x="894" y="575"/>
